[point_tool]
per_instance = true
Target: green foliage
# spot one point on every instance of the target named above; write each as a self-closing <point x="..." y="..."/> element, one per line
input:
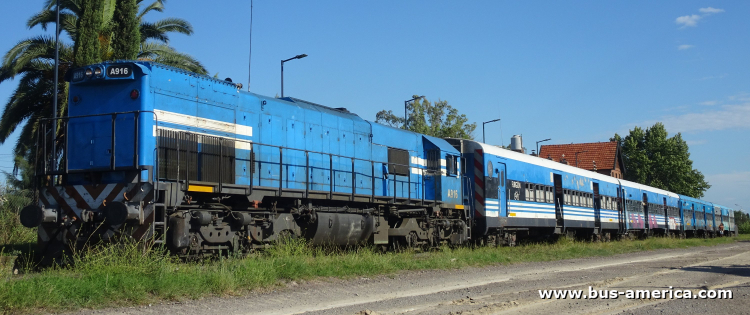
<point x="742" y="221"/>
<point x="11" y="230"/>
<point x="438" y="119"/>
<point x="126" y="42"/>
<point x="87" y="46"/>
<point x="652" y="158"/>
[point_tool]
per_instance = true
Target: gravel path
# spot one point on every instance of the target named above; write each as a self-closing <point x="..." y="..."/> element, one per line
<point x="506" y="289"/>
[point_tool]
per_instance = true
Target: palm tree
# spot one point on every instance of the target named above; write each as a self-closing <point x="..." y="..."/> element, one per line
<point x="154" y="35"/>
<point x="32" y="60"/>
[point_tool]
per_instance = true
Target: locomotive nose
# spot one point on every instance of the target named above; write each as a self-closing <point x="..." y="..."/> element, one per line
<point x="33" y="216"/>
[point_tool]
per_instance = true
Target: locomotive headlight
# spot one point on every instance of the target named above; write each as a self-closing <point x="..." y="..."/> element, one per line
<point x="89" y="73"/>
<point x="98" y="72"/>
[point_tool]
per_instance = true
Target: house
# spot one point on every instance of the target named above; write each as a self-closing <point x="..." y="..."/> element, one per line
<point x="601" y="157"/>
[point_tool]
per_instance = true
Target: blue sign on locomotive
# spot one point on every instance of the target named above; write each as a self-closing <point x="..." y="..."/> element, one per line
<point x="153" y="152"/>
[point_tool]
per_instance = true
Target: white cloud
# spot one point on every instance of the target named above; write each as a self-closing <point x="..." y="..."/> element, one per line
<point x="721" y="76"/>
<point x="692" y="20"/>
<point x="709" y="103"/>
<point x="695" y="142"/>
<point x="727" y="117"/>
<point x="742" y="97"/>
<point x="710" y="10"/>
<point x="688" y="20"/>
<point x="683" y="47"/>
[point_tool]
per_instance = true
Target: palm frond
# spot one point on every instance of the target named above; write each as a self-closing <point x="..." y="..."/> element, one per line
<point x="149" y="31"/>
<point x="165" y="54"/>
<point x="26" y="51"/>
<point x="24" y="102"/>
<point x="159" y="29"/>
<point x="157" y="6"/>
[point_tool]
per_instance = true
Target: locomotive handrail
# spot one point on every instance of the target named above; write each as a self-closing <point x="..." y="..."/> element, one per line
<point x="44" y="122"/>
<point x="308" y="181"/>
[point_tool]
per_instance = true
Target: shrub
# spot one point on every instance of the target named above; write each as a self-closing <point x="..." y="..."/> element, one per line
<point x="11" y="230"/>
<point x="744" y="228"/>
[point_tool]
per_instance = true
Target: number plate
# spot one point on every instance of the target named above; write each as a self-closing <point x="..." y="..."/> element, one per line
<point x="119" y="71"/>
<point x="79" y="75"/>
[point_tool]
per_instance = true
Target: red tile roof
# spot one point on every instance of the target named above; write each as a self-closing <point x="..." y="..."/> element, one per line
<point x="604" y="153"/>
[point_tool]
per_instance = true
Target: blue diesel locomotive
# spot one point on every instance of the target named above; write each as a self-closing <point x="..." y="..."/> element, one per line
<point x="154" y="152"/>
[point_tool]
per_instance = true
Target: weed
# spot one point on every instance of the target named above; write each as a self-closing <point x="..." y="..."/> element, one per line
<point x="130" y="273"/>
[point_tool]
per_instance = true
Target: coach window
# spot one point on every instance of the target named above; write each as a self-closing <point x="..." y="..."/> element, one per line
<point x="530" y="189"/>
<point x="586" y="201"/>
<point x="539" y="194"/>
<point x="566" y="197"/>
<point x="549" y="195"/>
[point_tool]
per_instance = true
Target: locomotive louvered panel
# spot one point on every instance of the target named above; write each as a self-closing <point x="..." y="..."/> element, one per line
<point x="217" y="153"/>
<point x="170" y="164"/>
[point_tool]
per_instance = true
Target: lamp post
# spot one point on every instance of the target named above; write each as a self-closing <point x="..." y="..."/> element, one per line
<point x="406" y="103"/>
<point x="54" y="101"/>
<point x="537" y="146"/>
<point x="577" y="156"/>
<point x="282" y="70"/>
<point x="487" y="122"/>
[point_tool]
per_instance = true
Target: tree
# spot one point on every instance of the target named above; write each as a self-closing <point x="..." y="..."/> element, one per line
<point x="126" y="42"/>
<point x="652" y="158"/>
<point x="87" y="47"/>
<point x="31" y="61"/>
<point x="437" y="119"/>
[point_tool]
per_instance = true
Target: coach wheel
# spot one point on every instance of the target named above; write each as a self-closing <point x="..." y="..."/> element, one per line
<point x="510" y="239"/>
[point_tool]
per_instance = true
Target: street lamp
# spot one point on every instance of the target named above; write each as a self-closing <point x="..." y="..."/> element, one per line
<point x="537" y="146"/>
<point x="487" y="122"/>
<point x="577" y="156"/>
<point x="406" y="103"/>
<point x="282" y="70"/>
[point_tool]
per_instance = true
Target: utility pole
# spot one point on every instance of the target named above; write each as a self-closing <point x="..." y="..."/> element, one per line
<point x="55" y="96"/>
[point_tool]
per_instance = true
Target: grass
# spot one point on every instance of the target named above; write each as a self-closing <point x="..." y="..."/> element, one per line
<point x="125" y="274"/>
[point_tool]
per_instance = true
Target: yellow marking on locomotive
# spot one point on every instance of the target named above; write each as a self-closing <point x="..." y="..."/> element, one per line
<point x="512" y="214"/>
<point x="201" y="188"/>
<point x="460" y="207"/>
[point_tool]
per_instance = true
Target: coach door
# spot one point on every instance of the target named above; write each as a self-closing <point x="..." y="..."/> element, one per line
<point x="597" y="208"/>
<point x="623" y="222"/>
<point x="666" y="215"/>
<point x="646" y="216"/>
<point x="559" y="197"/>
<point x="502" y="197"/>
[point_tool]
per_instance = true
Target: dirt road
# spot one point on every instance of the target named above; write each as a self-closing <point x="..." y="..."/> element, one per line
<point x="509" y="289"/>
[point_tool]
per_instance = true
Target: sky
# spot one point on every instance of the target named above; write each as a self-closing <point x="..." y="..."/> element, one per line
<point x="573" y="71"/>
